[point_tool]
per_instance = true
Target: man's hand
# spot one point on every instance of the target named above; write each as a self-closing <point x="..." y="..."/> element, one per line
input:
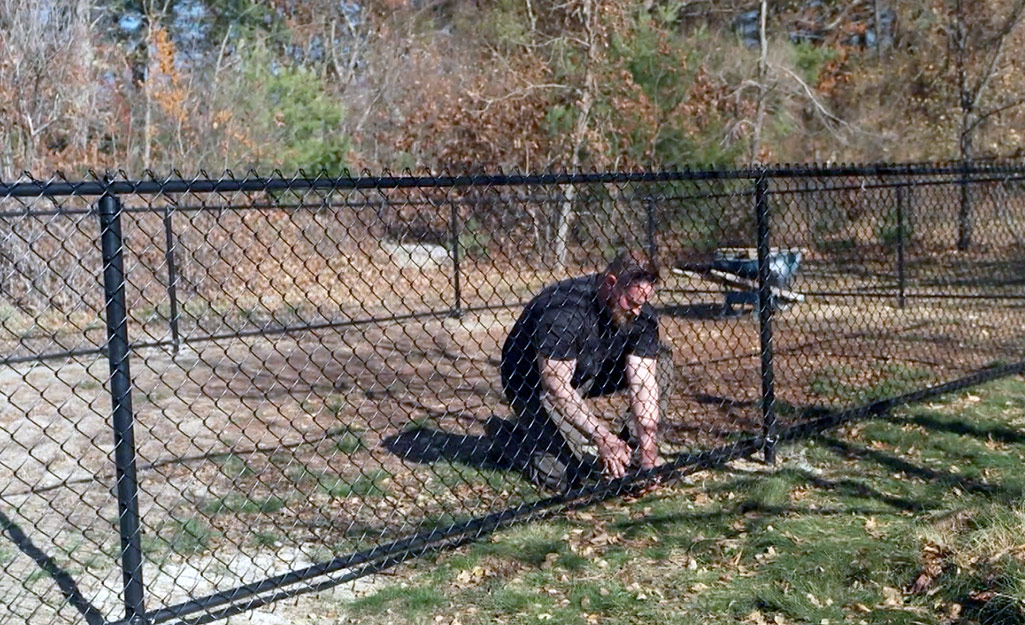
<point x="615" y="455"/>
<point x="575" y="421"/>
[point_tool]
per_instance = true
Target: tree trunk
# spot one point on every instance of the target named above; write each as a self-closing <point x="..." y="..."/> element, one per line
<point x="756" y="138"/>
<point x="875" y="27"/>
<point x="967" y="104"/>
<point x="579" y="138"/>
<point x="965" y="218"/>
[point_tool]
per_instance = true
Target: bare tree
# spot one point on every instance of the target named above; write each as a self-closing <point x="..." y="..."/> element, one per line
<point x="45" y="62"/>
<point x="977" y="100"/>
<point x="587" y="95"/>
<point x="756" y="138"/>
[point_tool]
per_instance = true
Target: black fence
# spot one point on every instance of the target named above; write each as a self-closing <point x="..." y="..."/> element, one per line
<point x="220" y="393"/>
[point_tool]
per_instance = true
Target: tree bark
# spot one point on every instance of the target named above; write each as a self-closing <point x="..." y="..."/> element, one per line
<point x="756" y="138"/>
<point x="579" y="137"/>
<point x="967" y="104"/>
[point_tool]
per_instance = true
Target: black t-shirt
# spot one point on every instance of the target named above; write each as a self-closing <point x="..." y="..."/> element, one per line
<point x="567" y="321"/>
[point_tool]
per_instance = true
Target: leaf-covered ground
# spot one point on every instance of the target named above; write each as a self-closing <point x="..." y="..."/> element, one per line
<point x="916" y="518"/>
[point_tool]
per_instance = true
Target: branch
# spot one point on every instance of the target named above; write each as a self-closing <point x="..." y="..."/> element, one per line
<point x="990" y="113"/>
<point x="1000" y="38"/>
<point x="518" y="93"/>
<point x="811" y="96"/>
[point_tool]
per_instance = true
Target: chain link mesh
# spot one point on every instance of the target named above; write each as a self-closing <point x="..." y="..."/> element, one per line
<point x="315" y="363"/>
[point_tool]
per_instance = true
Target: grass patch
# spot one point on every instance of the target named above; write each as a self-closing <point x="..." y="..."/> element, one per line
<point x="237" y="503"/>
<point x="348" y="439"/>
<point x="913" y="518"/>
<point x="267" y="539"/>
<point x="234" y="467"/>
<point x="410" y="602"/>
<point x="370" y="484"/>
<point x="848" y="385"/>
<point x="336" y="404"/>
<point x="87" y="385"/>
<point x="188" y="536"/>
<point x="349" y="443"/>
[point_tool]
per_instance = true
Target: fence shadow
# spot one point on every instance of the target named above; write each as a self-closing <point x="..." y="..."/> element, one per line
<point x="61" y="577"/>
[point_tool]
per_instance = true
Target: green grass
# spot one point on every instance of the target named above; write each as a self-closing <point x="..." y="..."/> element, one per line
<point x="267" y="539"/>
<point x="448" y="477"/>
<point x="243" y="504"/>
<point x="337" y="403"/>
<point x="838" y="531"/>
<point x="834" y="383"/>
<point x="370" y="484"/>
<point x="234" y="467"/>
<point x="188" y="536"/>
<point x="349" y="443"/>
<point x="411" y="602"/>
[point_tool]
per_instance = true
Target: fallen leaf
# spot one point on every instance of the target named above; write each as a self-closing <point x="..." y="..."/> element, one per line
<point x="892" y="596"/>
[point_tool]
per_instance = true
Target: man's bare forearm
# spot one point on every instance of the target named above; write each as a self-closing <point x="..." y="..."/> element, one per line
<point x="556" y="377"/>
<point x="644" y="396"/>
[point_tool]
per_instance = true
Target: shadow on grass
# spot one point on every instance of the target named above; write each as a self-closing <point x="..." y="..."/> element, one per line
<point x="61" y="578"/>
<point x="964" y="428"/>
<point x="945" y="478"/>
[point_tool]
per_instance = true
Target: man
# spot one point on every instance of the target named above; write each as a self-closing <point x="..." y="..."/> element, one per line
<point x="584" y="337"/>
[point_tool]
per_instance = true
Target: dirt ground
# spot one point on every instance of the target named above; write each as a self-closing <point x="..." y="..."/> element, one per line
<point x="258" y="455"/>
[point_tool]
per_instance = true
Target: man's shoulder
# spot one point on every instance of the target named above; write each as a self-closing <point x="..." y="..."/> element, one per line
<point x="579" y="291"/>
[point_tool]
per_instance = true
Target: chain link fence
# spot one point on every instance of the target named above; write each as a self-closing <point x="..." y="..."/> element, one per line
<point x="219" y="393"/>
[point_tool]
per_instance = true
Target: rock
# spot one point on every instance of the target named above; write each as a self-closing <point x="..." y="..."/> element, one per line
<point x="417" y="255"/>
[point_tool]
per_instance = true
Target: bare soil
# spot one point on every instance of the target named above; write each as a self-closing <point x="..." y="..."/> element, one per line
<point x="259" y="455"/>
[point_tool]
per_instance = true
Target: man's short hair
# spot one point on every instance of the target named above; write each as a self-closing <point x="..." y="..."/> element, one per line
<point x="631" y="266"/>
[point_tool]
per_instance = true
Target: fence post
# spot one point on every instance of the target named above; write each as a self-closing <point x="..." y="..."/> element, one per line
<point x="172" y="278"/>
<point x="457" y="304"/>
<point x="652" y="225"/>
<point x="766" y="304"/>
<point x="900" y="247"/>
<point x="111" y="244"/>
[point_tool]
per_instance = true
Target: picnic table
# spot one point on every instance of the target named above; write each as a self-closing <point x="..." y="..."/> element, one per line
<point x="735" y="269"/>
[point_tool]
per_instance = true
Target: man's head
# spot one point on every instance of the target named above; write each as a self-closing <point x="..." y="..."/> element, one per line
<point x="627" y="284"/>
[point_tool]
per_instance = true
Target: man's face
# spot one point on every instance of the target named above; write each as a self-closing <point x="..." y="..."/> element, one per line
<point x="627" y="300"/>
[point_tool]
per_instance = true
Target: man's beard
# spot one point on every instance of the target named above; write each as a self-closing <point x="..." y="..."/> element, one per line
<point x="623" y="319"/>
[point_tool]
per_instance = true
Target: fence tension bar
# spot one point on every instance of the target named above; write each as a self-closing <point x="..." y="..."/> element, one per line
<point x="112" y="247"/>
<point x="766" y="304"/>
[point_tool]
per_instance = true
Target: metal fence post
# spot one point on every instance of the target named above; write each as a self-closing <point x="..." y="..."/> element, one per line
<point x="457" y="304"/>
<point x="652" y="225"/>
<point x="766" y="304"/>
<point x="172" y="279"/>
<point x="121" y="396"/>
<point x="900" y="247"/>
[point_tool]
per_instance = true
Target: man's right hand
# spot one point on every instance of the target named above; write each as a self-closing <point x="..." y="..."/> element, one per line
<point x="615" y="455"/>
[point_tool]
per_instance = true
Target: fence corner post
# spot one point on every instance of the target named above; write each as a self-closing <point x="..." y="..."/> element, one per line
<point x="457" y="303"/>
<point x="766" y="306"/>
<point x="652" y="227"/>
<point x="129" y="526"/>
<point x="901" y="278"/>
<point x="172" y="280"/>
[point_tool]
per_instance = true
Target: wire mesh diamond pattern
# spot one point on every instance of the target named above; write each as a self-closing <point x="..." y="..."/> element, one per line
<point x="322" y="375"/>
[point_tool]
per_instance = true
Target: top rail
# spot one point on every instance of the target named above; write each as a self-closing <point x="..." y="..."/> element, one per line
<point x="38" y="188"/>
